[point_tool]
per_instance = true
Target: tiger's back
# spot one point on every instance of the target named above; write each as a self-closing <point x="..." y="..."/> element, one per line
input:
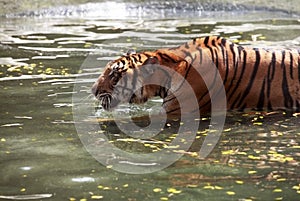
<point x="253" y="78"/>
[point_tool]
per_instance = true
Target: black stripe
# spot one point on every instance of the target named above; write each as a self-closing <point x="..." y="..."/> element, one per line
<point x="213" y="42"/>
<point x="186" y="45"/>
<point x="173" y="110"/>
<point x="233" y="53"/>
<point x="288" y="101"/>
<point x="223" y="41"/>
<point x="235" y="101"/>
<point x="209" y="88"/>
<point x="252" y="78"/>
<point x="187" y="72"/>
<point x="227" y="64"/>
<point x="291" y="66"/>
<point x="212" y="54"/>
<point x="167" y="57"/>
<point x="270" y="77"/>
<point x="217" y="60"/>
<point x="224" y="55"/>
<point x="134" y="79"/>
<point x="206" y="40"/>
<point x="125" y="81"/>
<point x="134" y="58"/>
<point x="188" y="54"/>
<point x="239" y="80"/>
<point x="201" y="56"/>
<point x="168" y="100"/>
<point x="123" y="62"/>
<point x="194" y="41"/>
<point x="240" y="49"/>
<point x="299" y="66"/>
<point x="261" y="99"/>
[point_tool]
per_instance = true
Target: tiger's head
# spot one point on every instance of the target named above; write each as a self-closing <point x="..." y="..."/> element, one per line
<point x="128" y="79"/>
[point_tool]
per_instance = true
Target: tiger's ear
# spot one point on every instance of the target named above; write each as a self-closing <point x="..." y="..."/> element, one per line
<point x="151" y="61"/>
<point x="149" y="66"/>
<point x="130" y="52"/>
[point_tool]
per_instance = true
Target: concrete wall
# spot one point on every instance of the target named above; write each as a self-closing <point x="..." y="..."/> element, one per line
<point x="17" y="6"/>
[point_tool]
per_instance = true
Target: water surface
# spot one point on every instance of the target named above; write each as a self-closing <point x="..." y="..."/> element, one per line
<point x="42" y="157"/>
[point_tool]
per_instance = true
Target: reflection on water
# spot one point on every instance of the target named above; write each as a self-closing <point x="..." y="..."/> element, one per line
<point x="42" y="156"/>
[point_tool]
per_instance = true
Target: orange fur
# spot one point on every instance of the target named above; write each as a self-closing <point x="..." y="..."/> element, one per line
<point x="256" y="79"/>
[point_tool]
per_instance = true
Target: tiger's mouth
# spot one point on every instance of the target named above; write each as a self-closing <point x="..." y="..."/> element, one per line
<point x="107" y="101"/>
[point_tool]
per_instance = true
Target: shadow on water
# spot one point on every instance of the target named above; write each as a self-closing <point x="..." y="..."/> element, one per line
<point x="44" y="54"/>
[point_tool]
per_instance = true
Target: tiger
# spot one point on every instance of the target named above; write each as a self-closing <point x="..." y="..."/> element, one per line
<point x="258" y="79"/>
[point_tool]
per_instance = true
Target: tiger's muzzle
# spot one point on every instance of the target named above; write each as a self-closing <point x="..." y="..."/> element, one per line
<point x="106" y="99"/>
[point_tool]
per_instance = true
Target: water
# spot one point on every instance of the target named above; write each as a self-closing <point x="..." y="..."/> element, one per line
<point x="42" y="157"/>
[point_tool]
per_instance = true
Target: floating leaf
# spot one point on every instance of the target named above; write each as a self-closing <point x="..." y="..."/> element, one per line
<point x="192" y="186"/>
<point x="230" y="193"/>
<point x="239" y="182"/>
<point x="157" y="190"/>
<point x="228" y="152"/>
<point x="96" y="197"/>
<point x="173" y="190"/>
<point x="218" y="187"/>
<point x="257" y="123"/>
<point x="253" y="157"/>
<point x="277" y="190"/>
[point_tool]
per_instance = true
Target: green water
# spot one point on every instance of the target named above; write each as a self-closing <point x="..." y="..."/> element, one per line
<point x="41" y="155"/>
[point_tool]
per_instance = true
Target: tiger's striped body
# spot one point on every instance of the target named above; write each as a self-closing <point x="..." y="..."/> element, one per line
<point x="256" y="79"/>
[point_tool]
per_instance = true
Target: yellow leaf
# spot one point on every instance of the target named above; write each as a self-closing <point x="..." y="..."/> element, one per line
<point x="192" y="186"/>
<point x="254" y="157"/>
<point x="257" y="123"/>
<point x="230" y="193"/>
<point x="228" y="152"/>
<point x="239" y="182"/>
<point x="218" y="187"/>
<point x="157" y="190"/>
<point x="252" y="172"/>
<point x="173" y="190"/>
<point x="209" y="187"/>
<point x="227" y="130"/>
<point x="164" y="198"/>
<point x="277" y="190"/>
<point x="96" y="197"/>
